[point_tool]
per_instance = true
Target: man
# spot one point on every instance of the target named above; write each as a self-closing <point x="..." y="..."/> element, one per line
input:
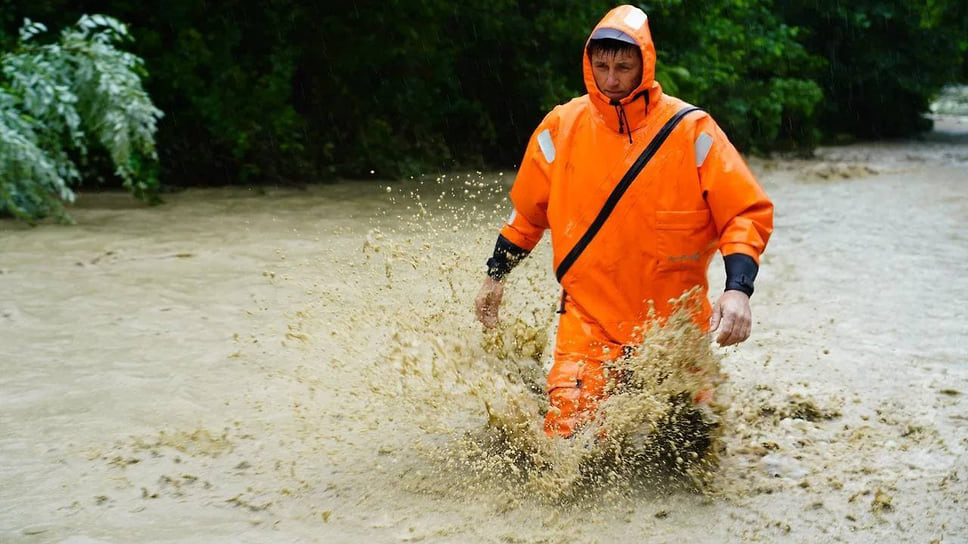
<point x="623" y="239"/>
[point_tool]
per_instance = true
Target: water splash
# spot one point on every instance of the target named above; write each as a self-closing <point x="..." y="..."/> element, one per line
<point x="479" y="400"/>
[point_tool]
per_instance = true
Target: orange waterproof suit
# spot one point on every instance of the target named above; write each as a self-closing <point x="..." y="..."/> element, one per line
<point x="694" y="196"/>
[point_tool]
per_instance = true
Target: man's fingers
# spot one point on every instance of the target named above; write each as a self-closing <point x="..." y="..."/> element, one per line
<point x="732" y="328"/>
<point x="726" y="331"/>
<point x="486" y="310"/>
<point x="715" y="318"/>
<point x="487" y="302"/>
<point x="731" y="314"/>
<point x="479" y="307"/>
<point x="735" y="329"/>
<point x="490" y="320"/>
<point x="489" y="313"/>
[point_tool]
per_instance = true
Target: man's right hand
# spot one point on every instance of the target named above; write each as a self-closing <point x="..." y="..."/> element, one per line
<point x="488" y="300"/>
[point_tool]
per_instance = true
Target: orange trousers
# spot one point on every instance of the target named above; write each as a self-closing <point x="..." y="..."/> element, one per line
<point x="576" y="381"/>
<point x="578" y="378"/>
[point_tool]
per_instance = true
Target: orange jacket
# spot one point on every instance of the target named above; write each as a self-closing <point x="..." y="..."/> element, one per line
<point x="694" y="196"/>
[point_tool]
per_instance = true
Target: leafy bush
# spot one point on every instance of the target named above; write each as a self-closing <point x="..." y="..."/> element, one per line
<point x="283" y="91"/>
<point x="740" y="62"/>
<point x="302" y="91"/>
<point x="885" y="60"/>
<point x="441" y="84"/>
<point x="55" y="99"/>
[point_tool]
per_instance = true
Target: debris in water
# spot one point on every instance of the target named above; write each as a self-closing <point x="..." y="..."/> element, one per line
<point x="882" y="501"/>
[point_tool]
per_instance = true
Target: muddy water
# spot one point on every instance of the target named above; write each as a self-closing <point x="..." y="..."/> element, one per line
<point x="303" y="366"/>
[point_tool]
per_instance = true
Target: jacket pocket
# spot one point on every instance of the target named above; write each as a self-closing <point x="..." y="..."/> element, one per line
<point x="682" y="238"/>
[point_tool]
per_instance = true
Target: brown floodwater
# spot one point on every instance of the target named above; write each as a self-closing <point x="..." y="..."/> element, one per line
<point x="282" y="365"/>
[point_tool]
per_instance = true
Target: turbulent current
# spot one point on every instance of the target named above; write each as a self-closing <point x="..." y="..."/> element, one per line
<point x="282" y="365"/>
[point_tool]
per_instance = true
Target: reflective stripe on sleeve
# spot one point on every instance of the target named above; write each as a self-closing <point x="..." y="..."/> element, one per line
<point x="703" y="144"/>
<point x="547" y="146"/>
<point x="514" y="213"/>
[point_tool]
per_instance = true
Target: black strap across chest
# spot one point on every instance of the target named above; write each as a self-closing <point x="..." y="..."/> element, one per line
<point x="620" y="189"/>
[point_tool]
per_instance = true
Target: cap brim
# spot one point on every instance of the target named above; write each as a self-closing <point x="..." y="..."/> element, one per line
<point x="614" y="34"/>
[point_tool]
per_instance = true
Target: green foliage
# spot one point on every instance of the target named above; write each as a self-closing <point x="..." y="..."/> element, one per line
<point x="885" y="60"/>
<point x="407" y="86"/>
<point x="55" y="98"/>
<point x="736" y="59"/>
<point x="465" y="84"/>
<point x="229" y="70"/>
<point x="285" y="91"/>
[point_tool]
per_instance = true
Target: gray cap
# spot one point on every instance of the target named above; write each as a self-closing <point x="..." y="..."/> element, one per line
<point x="613" y="33"/>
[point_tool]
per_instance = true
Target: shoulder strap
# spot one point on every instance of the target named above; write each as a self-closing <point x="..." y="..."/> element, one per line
<point x="620" y="189"/>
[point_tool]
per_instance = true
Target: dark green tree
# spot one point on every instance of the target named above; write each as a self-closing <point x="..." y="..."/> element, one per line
<point x="885" y="60"/>
<point x="286" y="91"/>
<point x="739" y="61"/>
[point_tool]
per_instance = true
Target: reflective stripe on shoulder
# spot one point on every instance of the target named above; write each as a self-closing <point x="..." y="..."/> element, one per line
<point x="547" y="146"/>
<point x="703" y="144"/>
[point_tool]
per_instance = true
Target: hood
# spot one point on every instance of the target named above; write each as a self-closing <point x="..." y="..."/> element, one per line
<point x="631" y="24"/>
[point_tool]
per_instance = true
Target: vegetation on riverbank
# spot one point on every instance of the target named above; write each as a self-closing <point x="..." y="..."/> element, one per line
<point x="289" y="92"/>
<point x="59" y="98"/>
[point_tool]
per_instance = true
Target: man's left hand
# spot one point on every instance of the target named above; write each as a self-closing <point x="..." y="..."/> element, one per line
<point x="732" y="317"/>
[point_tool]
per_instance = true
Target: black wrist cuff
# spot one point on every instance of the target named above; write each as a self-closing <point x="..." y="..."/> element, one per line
<point x="506" y="256"/>
<point x="740" y="272"/>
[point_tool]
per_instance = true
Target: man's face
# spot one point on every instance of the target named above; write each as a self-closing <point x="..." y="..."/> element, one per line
<point x="617" y="74"/>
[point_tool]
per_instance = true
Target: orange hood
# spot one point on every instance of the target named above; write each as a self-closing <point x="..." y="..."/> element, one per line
<point x="625" y="23"/>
